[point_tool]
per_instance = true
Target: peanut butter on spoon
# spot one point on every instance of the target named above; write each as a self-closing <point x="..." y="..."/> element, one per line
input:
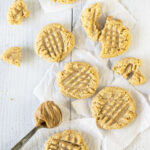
<point x="48" y="115"/>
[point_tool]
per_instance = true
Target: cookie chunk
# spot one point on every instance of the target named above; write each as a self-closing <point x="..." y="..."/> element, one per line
<point x="127" y="65"/>
<point x="113" y="108"/>
<point x="115" y="38"/>
<point x="90" y="23"/>
<point x="137" y="78"/>
<point x="67" y="140"/>
<point x="65" y="1"/>
<point x="78" y="80"/>
<point x="54" y="43"/>
<point x="17" y="12"/>
<point x="48" y="115"/>
<point x="12" y="56"/>
<point x="129" y="68"/>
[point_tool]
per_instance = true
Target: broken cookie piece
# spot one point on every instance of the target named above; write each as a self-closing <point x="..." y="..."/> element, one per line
<point x="17" y="12"/>
<point x="90" y="23"/>
<point x="127" y="65"/>
<point x="12" y="56"/>
<point x="137" y="78"/>
<point x="115" y="38"/>
<point x="129" y="68"/>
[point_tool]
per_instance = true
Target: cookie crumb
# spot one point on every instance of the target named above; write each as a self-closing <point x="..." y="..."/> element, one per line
<point x="11" y="99"/>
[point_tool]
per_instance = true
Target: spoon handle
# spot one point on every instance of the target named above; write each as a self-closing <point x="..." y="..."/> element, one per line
<point x="25" y="139"/>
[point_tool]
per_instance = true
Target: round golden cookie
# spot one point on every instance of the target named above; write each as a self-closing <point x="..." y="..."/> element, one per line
<point x="65" y="1"/>
<point x="54" y="43"/>
<point x="17" y="12"/>
<point x="113" y="108"/>
<point x="48" y="115"/>
<point x="115" y="38"/>
<point x="89" y="19"/>
<point x="78" y="80"/>
<point x="67" y="140"/>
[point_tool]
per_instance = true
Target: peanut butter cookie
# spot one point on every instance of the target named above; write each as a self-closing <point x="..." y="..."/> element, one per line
<point x="90" y="23"/>
<point x="115" y="38"/>
<point x="67" y="140"/>
<point x="129" y="68"/>
<point x="54" y="42"/>
<point x="17" y="12"/>
<point x="48" y="115"/>
<point x="12" y="56"/>
<point x="137" y="78"/>
<point x="113" y="108"/>
<point x="127" y="65"/>
<point x="65" y="1"/>
<point x="78" y="80"/>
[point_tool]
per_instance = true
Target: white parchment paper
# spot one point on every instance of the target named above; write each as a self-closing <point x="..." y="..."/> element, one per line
<point x="109" y="8"/>
<point x="120" y="139"/>
<point x="51" y="6"/>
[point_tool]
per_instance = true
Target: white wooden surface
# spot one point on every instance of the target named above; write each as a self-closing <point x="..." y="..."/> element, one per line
<point x="16" y="116"/>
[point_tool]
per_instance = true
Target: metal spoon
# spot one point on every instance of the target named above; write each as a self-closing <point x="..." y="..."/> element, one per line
<point x="48" y="115"/>
<point x="25" y="139"/>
